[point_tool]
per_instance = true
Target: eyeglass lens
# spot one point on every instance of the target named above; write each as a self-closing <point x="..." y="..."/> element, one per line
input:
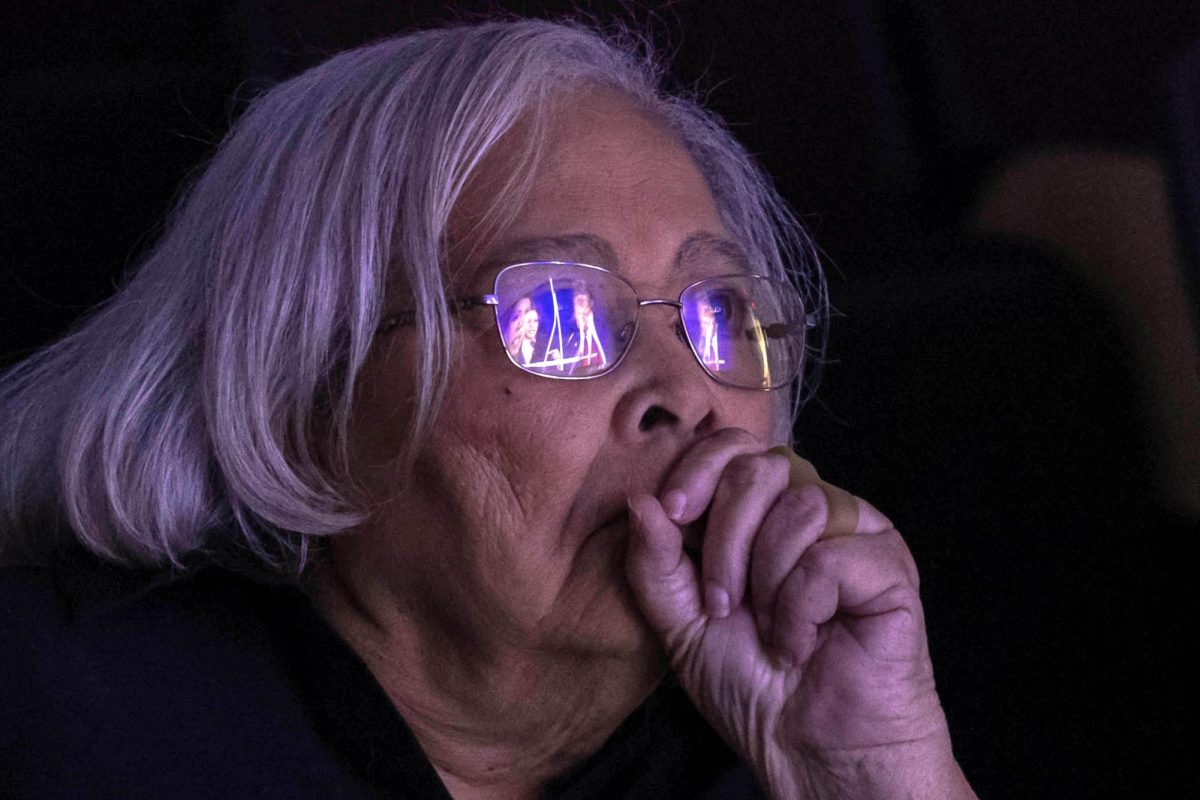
<point x="577" y="321"/>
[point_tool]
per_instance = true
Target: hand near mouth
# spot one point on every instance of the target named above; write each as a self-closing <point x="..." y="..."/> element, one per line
<point x="800" y="636"/>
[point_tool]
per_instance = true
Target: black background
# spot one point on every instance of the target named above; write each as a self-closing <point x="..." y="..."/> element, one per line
<point x="977" y="391"/>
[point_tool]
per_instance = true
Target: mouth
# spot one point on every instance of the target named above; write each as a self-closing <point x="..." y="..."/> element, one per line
<point x="693" y="538"/>
<point x="693" y="533"/>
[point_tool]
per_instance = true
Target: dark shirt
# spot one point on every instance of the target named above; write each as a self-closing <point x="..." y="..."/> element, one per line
<point x="124" y="684"/>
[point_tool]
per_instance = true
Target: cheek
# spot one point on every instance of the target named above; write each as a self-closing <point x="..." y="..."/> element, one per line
<point x="521" y="456"/>
<point x="757" y="412"/>
<point x="512" y="445"/>
<point x="505" y="469"/>
<point x="382" y="410"/>
<point x="385" y="403"/>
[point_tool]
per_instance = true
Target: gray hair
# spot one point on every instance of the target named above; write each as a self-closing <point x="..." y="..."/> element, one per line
<point x="203" y="409"/>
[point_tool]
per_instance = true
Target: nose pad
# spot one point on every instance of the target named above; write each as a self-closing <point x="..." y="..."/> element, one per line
<point x="678" y="328"/>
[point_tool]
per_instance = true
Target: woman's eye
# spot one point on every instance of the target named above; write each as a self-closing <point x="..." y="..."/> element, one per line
<point x="728" y="308"/>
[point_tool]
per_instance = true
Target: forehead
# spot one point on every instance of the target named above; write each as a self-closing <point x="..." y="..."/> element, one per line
<point x="611" y="187"/>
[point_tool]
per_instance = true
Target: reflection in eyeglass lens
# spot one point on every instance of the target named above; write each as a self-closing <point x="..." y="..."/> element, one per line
<point x="521" y="330"/>
<point x="709" y="344"/>
<point x="588" y="350"/>
<point x="576" y="321"/>
<point x="728" y="321"/>
<point x="714" y="318"/>
<point x="557" y="326"/>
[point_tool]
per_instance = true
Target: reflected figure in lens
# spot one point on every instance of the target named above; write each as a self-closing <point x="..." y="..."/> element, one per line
<point x="589" y="352"/>
<point x="710" y="351"/>
<point x="521" y="333"/>
<point x="526" y="336"/>
<point x="514" y="329"/>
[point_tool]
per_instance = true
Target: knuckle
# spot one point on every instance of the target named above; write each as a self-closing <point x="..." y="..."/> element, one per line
<point x="901" y="556"/>
<point x="711" y="455"/>
<point x="748" y="470"/>
<point x="719" y="445"/>
<point x="806" y="504"/>
<point x="911" y="572"/>
<point x="712" y="461"/>
<point x="723" y="439"/>
<point x="820" y="591"/>
<point x="793" y="519"/>
<point x="779" y="467"/>
<point x="733" y="436"/>
<point x="821" y="558"/>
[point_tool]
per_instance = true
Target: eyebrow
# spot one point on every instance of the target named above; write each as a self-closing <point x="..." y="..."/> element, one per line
<point x="596" y="250"/>
<point x="584" y="247"/>
<point x="708" y="246"/>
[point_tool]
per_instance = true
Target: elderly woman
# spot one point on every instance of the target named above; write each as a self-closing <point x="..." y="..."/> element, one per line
<point x="285" y="518"/>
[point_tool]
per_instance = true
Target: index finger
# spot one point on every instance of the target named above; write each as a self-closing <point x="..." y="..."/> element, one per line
<point x="692" y="483"/>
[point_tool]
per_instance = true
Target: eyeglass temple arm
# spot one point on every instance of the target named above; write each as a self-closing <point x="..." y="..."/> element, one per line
<point x="456" y="305"/>
<point x="781" y="330"/>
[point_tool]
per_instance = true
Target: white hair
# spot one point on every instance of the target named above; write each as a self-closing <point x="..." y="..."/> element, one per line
<point x="202" y="411"/>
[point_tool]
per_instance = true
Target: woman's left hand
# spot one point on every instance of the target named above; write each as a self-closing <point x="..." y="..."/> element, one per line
<point x="801" y="637"/>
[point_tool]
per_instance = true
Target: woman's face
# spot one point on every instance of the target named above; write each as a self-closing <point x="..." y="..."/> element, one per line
<point x="518" y="317"/>
<point x="583" y="307"/>
<point x="531" y="325"/>
<point x="513" y="529"/>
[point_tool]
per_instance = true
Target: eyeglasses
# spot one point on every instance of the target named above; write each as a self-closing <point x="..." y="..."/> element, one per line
<point x="572" y="321"/>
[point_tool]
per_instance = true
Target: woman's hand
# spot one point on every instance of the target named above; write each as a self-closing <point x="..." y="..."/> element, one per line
<point x="801" y="636"/>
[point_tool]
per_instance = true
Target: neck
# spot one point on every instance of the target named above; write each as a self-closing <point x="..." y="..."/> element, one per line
<point x="496" y="720"/>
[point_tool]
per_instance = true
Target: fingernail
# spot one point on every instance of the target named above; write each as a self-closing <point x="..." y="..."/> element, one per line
<point x="716" y="600"/>
<point x="674" y="503"/>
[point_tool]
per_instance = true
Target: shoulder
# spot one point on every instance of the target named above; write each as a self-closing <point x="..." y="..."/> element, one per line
<point x="87" y="606"/>
<point x="94" y="640"/>
<point x="132" y="680"/>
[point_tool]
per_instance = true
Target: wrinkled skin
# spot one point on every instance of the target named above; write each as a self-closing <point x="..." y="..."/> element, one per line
<point x="526" y="590"/>
<point x="801" y="642"/>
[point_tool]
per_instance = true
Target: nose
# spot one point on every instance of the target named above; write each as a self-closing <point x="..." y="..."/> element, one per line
<point x="665" y="393"/>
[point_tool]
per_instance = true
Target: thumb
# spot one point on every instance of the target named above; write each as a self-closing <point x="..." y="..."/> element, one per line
<point x="662" y="577"/>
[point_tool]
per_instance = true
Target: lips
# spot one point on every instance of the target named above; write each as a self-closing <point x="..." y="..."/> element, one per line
<point x="693" y="537"/>
<point x="693" y="533"/>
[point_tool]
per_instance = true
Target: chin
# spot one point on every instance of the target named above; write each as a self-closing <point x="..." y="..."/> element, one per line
<point x="612" y="626"/>
<point x="602" y="618"/>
